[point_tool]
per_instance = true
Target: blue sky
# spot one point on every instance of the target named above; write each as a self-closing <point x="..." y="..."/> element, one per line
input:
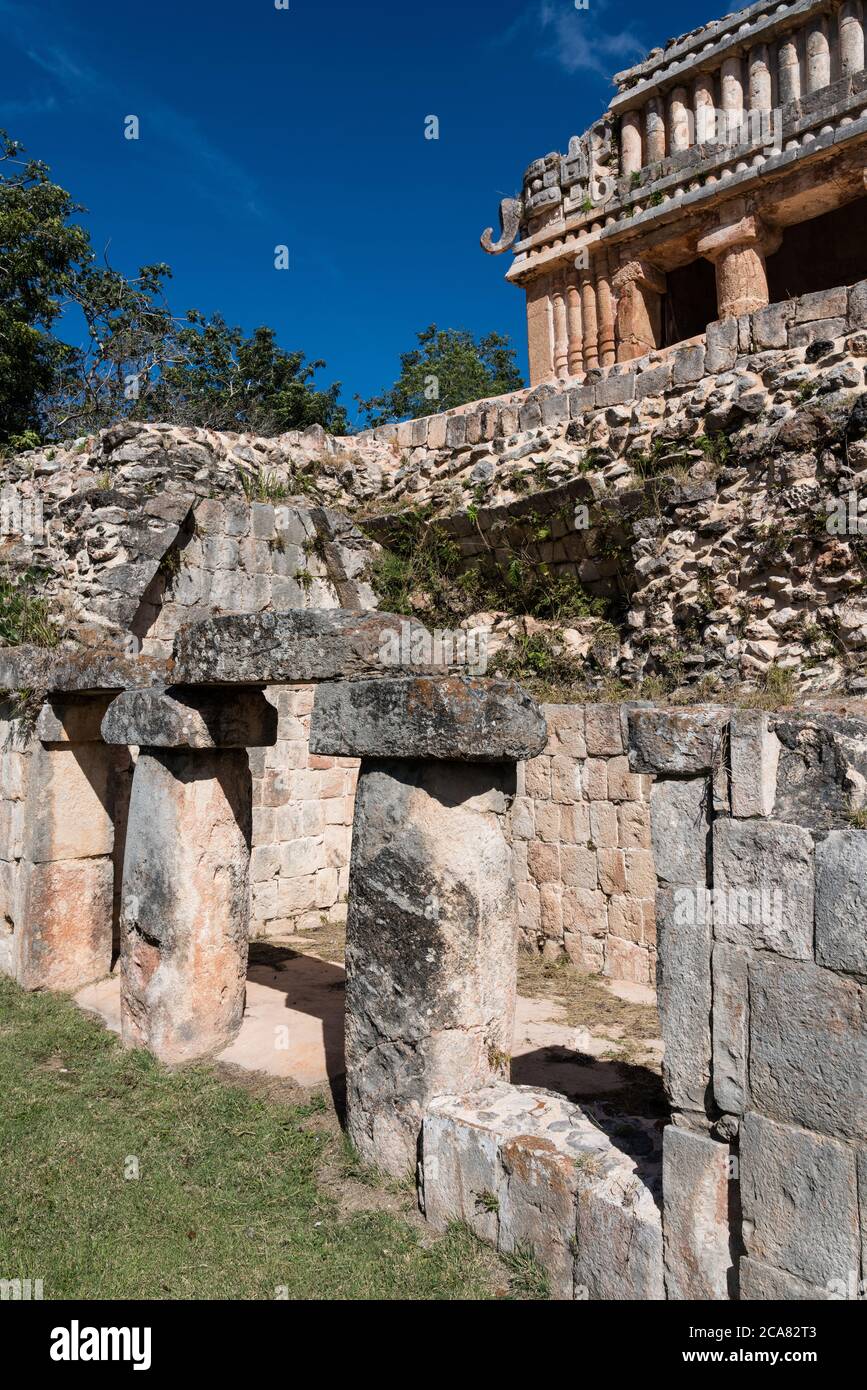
<point x="305" y="127"/>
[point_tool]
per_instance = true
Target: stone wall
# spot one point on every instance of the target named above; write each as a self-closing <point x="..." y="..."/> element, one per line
<point x="580" y="831"/>
<point x="761" y="904"/>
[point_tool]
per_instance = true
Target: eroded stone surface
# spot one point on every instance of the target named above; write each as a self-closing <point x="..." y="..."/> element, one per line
<point x="841" y="901"/>
<point x="299" y="645"/>
<point x="416" y="717"/>
<point x="675" y="742"/>
<point x="551" y="1180"/>
<point x="185" y="906"/>
<point x="765" y="869"/>
<point x="191" y="718"/>
<point x="800" y="1201"/>
<point x="431" y="946"/>
<point x="696" y="1184"/>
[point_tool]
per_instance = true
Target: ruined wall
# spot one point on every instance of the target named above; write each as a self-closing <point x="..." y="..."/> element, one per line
<point x="758" y="1191"/>
<point x="580" y="833"/>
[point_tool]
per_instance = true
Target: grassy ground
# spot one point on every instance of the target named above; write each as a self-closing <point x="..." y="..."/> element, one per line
<point x="240" y="1194"/>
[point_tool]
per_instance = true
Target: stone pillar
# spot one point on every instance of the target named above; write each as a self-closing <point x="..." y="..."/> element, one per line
<point x="589" y="320"/>
<point x="704" y="105"/>
<point x="738" y="254"/>
<point x="851" y="37"/>
<point x="561" y="336"/>
<point x="679" y="121"/>
<point x="654" y="130"/>
<point x="540" y="338"/>
<point x="630" y="143"/>
<point x="431" y="933"/>
<point x="760" y="78"/>
<point x="789" y="69"/>
<point x="605" y="304"/>
<point x="63" y="938"/>
<point x="818" y="63"/>
<point x="185" y="896"/>
<point x="638" y="287"/>
<point x="576" y="335"/>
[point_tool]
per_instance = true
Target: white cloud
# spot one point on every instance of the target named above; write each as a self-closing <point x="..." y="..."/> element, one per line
<point x="577" y="40"/>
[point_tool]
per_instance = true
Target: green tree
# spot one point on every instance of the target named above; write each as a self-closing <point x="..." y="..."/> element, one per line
<point x="448" y="368"/>
<point x="135" y="359"/>
<point x="41" y="253"/>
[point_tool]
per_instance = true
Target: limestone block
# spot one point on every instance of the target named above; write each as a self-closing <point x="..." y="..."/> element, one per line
<point x="762" y="1283"/>
<point x="183" y="718"/>
<point x="64" y="937"/>
<point x="300" y="645"/>
<point x="683" y="975"/>
<point x="626" y="960"/>
<point x="675" y="742"/>
<point x="457" y="717"/>
<point x="823" y="304"/>
<point x="537" y="1206"/>
<point x="858" y="305"/>
<point x="802" y="334"/>
<point x="841" y="901"/>
<point x="808" y="1048"/>
<point x="603" y="824"/>
<point x="688" y="365"/>
<point x="614" y="389"/>
<point x="460" y="1172"/>
<point x="754" y="754"/>
<point x="763" y="881"/>
<point x="633" y="824"/>
<point x="800" y="1201"/>
<point x="69" y="809"/>
<point x="431" y="947"/>
<point x="770" y="326"/>
<point x="697" y="1239"/>
<point x="721" y="346"/>
<point x="185" y="902"/>
<point x="730" y="1026"/>
<point x="602" y="731"/>
<point x="680" y="830"/>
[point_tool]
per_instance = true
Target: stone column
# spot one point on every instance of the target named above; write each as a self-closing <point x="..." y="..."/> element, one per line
<point x="576" y="334"/>
<point x="679" y="121"/>
<point x="789" y="69"/>
<point x="630" y="142"/>
<point x="431" y="933"/>
<point x="738" y="254"/>
<point x="654" y="130"/>
<point x="760" y="78"/>
<point x="561" y="339"/>
<point x="818" y="55"/>
<point x="704" y="105"/>
<point x="851" y="37"/>
<point x="185" y="896"/>
<point x="638" y="287"/>
<point x="63" y="938"/>
<point x="605" y="304"/>
<point x="540" y="338"/>
<point x="589" y="320"/>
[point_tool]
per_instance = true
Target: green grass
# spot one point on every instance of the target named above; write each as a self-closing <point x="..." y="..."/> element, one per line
<point x="230" y="1201"/>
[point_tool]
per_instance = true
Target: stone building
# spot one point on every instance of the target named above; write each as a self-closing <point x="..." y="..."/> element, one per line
<point x="726" y="174"/>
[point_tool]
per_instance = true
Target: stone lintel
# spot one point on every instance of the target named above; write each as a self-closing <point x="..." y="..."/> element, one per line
<point x="299" y="645"/>
<point x="191" y="718"/>
<point x="453" y="718"/>
<point x="77" y="670"/>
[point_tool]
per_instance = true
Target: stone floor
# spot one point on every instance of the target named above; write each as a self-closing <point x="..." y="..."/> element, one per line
<point x="293" y="1029"/>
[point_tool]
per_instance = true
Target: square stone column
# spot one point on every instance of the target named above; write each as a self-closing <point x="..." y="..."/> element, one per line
<point x="638" y="287"/>
<point x="185" y="896"/>
<point x="62" y="938"/>
<point x="431" y="932"/>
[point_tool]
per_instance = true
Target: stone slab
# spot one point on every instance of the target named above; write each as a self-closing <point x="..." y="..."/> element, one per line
<point x="808" y="1046"/>
<point x="680" y="830"/>
<point x="683" y="979"/>
<point x="696" y="1198"/>
<point x="799" y="1199"/>
<point x="455" y="718"/>
<point x="180" y="717"/>
<point x="675" y="742"/>
<point x="764" y="886"/>
<point x="841" y="901"/>
<point x="299" y="645"/>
